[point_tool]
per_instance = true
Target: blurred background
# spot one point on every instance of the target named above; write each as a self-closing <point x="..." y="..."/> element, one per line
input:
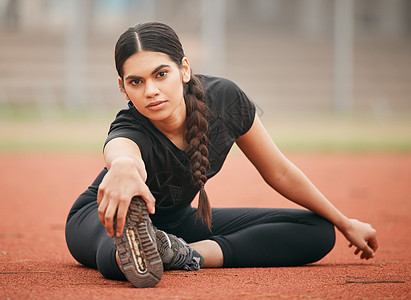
<point x="325" y="75"/>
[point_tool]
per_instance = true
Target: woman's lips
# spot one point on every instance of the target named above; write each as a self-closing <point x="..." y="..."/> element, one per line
<point x="156" y="105"/>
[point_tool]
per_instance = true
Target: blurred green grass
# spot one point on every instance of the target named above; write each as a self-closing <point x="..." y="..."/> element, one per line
<point x="350" y="132"/>
<point x="30" y="129"/>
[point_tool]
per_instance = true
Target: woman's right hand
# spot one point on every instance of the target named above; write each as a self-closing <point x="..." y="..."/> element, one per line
<point x="124" y="180"/>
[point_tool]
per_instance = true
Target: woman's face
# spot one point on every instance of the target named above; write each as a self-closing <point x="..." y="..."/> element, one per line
<point x="154" y="83"/>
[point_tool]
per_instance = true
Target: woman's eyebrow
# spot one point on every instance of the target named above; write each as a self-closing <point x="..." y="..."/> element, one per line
<point x="159" y="68"/>
<point x="134" y="77"/>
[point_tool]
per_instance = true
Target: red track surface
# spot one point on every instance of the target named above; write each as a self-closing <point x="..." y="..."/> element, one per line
<point x="37" y="192"/>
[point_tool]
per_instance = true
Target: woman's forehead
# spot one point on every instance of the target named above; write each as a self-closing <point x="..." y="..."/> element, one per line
<point x="144" y="62"/>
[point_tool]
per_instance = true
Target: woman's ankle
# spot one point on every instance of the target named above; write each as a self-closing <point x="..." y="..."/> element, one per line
<point x="211" y="251"/>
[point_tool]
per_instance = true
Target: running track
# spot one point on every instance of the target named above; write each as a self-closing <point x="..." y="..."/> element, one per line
<point x="37" y="190"/>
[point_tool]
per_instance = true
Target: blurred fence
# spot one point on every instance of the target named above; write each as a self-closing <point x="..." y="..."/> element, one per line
<point x="344" y="55"/>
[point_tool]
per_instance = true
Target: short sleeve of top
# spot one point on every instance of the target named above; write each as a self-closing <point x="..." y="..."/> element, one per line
<point x="232" y="114"/>
<point x="168" y="172"/>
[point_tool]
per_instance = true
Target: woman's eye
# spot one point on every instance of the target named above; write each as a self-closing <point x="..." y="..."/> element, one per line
<point x="135" y="82"/>
<point x="162" y="74"/>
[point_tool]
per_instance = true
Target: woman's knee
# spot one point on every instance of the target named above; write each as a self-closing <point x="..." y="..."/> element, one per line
<point x="328" y="232"/>
<point x="83" y="232"/>
<point x="325" y="238"/>
<point x="79" y="244"/>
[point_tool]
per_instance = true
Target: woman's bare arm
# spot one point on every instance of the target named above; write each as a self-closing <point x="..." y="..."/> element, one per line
<point x="125" y="179"/>
<point x="283" y="176"/>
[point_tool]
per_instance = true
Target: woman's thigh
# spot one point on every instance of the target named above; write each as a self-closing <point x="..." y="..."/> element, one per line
<point x="226" y="221"/>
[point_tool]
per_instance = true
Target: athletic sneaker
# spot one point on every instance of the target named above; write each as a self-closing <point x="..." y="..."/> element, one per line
<point x="137" y="247"/>
<point x="176" y="254"/>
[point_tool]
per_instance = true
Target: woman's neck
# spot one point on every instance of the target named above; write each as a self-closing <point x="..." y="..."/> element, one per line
<point x="174" y="127"/>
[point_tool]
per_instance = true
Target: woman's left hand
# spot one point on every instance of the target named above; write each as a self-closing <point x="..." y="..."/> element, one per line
<point x="362" y="236"/>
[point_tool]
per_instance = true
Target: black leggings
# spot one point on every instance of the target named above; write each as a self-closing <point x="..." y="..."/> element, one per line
<point x="248" y="237"/>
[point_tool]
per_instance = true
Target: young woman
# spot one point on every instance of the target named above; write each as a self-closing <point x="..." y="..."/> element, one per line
<point x="161" y="150"/>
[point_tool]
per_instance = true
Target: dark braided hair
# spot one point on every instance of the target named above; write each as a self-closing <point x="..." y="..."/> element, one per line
<point x="158" y="37"/>
<point x="197" y="140"/>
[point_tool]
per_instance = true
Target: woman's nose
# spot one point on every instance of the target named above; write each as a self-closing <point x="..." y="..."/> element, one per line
<point x="151" y="89"/>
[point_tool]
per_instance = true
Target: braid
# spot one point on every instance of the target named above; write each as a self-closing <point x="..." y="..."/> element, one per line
<point x="197" y="142"/>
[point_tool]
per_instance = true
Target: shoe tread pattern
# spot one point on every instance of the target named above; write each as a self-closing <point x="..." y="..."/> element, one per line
<point x="136" y="220"/>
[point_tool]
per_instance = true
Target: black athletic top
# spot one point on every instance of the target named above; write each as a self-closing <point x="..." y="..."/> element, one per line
<point x="167" y="166"/>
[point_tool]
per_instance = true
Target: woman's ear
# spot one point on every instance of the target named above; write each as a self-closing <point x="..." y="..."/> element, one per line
<point x="121" y="87"/>
<point x="185" y="70"/>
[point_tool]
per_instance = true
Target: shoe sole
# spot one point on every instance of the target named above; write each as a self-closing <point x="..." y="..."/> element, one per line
<point x="138" y="255"/>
